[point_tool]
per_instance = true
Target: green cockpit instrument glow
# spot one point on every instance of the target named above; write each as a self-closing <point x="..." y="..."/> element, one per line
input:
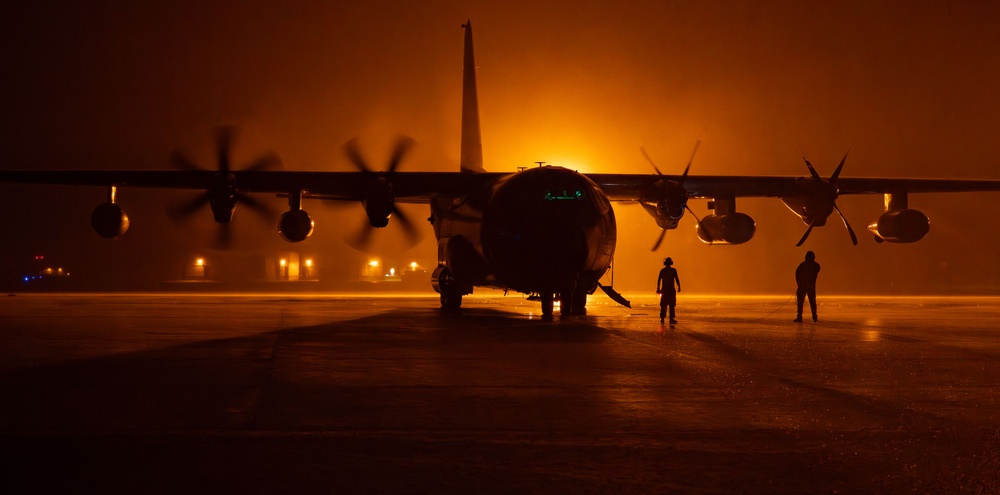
<point x="563" y="195"/>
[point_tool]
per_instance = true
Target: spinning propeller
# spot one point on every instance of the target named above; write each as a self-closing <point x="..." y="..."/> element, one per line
<point x="822" y="196"/>
<point x="222" y="193"/>
<point x="670" y="196"/>
<point x="379" y="200"/>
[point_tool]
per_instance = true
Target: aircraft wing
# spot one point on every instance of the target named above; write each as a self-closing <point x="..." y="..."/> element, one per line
<point x="410" y="187"/>
<point x="629" y="187"/>
<point x="420" y="187"/>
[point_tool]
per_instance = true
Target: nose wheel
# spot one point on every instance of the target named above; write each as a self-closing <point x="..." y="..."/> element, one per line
<point x="547" y="304"/>
<point x="572" y="303"/>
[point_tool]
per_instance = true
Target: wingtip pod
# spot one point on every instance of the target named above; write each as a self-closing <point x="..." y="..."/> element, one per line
<point x="472" y="142"/>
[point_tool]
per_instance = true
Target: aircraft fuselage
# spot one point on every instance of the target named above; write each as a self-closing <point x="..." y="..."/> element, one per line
<point x="546" y="230"/>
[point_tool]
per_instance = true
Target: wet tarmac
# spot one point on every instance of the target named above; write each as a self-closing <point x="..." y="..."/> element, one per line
<point x="235" y="393"/>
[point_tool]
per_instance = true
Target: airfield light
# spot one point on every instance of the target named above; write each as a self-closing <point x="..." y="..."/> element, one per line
<point x="392" y="272"/>
<point x="373" y="263"/>
<point x="413" y="265"/>
<point x="199" y="262"/>
<point x="309" y="262"/>
<point x="48" y="271"/>
<point x="283" y="262"/>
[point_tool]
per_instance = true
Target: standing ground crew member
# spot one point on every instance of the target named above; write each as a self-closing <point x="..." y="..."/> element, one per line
<point x="665" y="288"/>
<point x="805" y="278"/>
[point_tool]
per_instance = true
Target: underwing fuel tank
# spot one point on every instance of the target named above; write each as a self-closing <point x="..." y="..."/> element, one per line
<point x="900" y="226"/>
<point x="734" y="228"/>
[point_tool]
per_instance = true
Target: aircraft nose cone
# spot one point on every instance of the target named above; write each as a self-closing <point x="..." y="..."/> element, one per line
<point x="541" y="234"/>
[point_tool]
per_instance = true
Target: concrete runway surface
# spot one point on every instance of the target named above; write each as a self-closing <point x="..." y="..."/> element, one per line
<point x="278" y="393"/>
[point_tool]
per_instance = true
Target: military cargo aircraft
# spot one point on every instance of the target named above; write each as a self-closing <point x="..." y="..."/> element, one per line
<point x="548" y="231"/>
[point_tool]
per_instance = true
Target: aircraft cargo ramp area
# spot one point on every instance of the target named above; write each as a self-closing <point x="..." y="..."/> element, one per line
<point x="353" y="393"/>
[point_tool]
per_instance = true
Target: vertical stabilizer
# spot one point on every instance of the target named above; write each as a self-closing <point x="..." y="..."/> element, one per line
<point x="472" y="140"/>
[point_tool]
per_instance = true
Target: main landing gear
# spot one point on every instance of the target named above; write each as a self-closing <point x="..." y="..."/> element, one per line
<point x="444" y="282"/>
<point x="571" y="303"/>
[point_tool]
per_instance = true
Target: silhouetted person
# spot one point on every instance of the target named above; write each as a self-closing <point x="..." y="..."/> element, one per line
<point x="805" y="278"/>
<point x="665" y="288"/>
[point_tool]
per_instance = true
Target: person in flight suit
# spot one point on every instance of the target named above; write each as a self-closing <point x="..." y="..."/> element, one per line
<point x="665" y="288"/>
<point x="805" y="278"/>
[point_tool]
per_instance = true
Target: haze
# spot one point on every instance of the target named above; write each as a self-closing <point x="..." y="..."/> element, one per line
<point x="910" y="88"/>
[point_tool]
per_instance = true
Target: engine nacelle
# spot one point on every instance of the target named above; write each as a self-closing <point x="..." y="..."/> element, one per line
<point x="734" y="228"/>
<point x="295" y="225"/>
<point x="109" y="220"/>
<point x="379" y="203"/>
<point x="904" y="225"/>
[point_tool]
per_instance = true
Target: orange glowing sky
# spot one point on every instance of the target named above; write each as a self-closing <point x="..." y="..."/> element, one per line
<point x="910" y="88"/>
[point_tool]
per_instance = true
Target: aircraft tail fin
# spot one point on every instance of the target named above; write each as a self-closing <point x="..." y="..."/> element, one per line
<point x="472" y="141"/>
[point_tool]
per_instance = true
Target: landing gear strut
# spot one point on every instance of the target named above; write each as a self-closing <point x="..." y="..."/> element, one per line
<point x="445" y="283"/>
<point x="572" y="303"/>
<point x="546" y="305"/>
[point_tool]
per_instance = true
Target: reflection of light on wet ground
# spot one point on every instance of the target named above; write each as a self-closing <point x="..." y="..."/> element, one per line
<point x="872" y="334"/>
<point x="292" y="382"/>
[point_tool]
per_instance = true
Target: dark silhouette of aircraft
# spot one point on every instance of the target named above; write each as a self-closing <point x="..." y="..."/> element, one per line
<point x="547" y="231"/>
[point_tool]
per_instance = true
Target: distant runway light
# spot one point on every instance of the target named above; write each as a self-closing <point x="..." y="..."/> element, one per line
<point x="200" y="262"/>
<point x="283" y="262"/>
<point x="373" y="263"/>
<point x="309" y="262"/>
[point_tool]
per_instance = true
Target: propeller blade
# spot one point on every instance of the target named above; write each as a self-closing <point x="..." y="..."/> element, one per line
<point x="403" y="144"/>
<point x="362" y="238"/>
<point x="649" y="209"/>
<point x="180" y="160"/>
<point x="223" y="145"/>
<point x="836" y="173"/>
<point x="404" y="221"/>
<point x="190" y="207"/>
<point x="854" y="238"/>
<point x="261" y="209"/>
<point x="803" y="239"/>
<point x="659" y="240"/>
<point x="268" y="161"/>
<point x="688" y="168"/>
<point x="693" y="214"/>
<point x="650" y="160"/>
<point x="812" y="171"/>
<point x="351" y="150"/>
